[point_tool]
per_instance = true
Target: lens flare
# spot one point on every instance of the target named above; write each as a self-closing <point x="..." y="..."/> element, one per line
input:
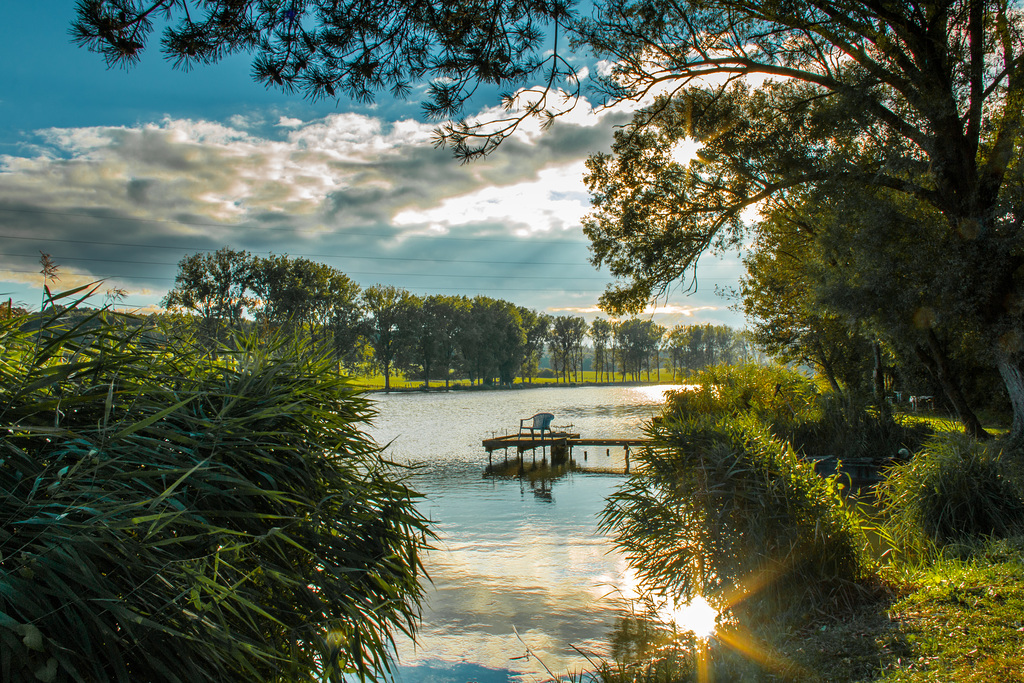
<point x="697" y="616"/>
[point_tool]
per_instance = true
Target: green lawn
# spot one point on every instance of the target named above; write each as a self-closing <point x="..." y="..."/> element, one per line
<point x="376" y="382"/>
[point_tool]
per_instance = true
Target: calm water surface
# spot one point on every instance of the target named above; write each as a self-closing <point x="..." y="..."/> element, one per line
<point x="511" y="558"/>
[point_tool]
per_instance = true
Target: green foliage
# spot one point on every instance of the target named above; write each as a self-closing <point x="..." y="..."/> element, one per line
<point x="721" y="507"/>
<point x="165" y="516"/>
<point x="817" y="423"/>
<point x="765" y="391"/>
<point x="565" y="342"/>
<point x="953" y="491"/>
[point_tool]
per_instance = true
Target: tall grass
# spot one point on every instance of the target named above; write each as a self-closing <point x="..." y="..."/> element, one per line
<point x="167" y="516"/>
<point x="954" y="491"/>
<point x="817" y="422"/>
<point x="725" y="509"/>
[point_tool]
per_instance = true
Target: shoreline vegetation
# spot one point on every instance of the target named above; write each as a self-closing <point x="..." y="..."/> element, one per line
<point x="918" y="578"/>
<point x="375" y="385"/>
<point x="167" y="505"/>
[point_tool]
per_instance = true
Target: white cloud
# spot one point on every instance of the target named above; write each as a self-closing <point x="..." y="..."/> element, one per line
<point x="675" y="309"/>
<point x="551" y="204"/>
<point x="344" y="184"/>
<point x="604" y="67"/>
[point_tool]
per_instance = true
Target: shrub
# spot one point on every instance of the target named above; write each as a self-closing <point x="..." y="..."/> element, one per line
<point x="724" y="509"/>
<point x="818" y="423"/>
<point x="168" y="516"/>
<point x="955" y="490"/>
<point x="771" y="392"/>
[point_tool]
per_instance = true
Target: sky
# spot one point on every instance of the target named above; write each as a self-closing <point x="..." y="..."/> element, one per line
<point x="119" y="174"/>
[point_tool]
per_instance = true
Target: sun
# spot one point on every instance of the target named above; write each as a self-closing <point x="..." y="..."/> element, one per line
<point x="698" y="616"/>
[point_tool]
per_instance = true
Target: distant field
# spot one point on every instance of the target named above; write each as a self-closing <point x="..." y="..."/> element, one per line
<point x="590" y="377"/>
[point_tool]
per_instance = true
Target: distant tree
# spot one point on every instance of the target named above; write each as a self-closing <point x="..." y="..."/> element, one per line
<point x="601" y="334"/>
<point x="389" y="312"/>
<point x="449" y="315"/>
<point x="308" y="297"/>
<point x="633" y="340"/>
<point x="565" y="339"/>
<point x="655" y="335"/>
<point x="508" y="339"/>
<point x="493" y="342"/>
<point x="536" y="326"/>
<point x="217" y="287"/>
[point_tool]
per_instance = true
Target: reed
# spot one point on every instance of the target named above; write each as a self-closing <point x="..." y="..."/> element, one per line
<point x="726" y="510"/>
<point x="167" y="515"/>
<point x="954" y="491"/>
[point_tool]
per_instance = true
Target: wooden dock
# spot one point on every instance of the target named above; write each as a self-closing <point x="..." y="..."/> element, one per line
<point x="561" y="444"/>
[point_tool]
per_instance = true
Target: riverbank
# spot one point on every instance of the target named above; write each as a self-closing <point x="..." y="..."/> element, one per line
<point x="957" y="619"/>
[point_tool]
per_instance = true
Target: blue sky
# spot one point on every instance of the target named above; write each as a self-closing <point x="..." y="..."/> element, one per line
<point x="120" y="174"/>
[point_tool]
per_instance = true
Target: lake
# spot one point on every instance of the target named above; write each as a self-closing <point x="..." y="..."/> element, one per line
<point x="517" y="568"/>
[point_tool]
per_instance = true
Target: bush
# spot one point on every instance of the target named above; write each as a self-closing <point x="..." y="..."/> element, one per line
<point x="818" y="423"/>
<point x="770" y="392"/>
<point x="955" y="490"/>
<point x="167" y="516"/>
<point x="723" y="508"/>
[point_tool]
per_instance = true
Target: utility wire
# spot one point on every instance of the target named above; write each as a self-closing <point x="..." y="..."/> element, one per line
<point x="309" y="255"/>
<point x="250" y="228"/>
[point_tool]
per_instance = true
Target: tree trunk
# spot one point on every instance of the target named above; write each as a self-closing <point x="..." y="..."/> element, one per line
<point x="951" y="388"/>
<point x="879" y="374"/>
<point x="1013" y="378"/>
<point x="826" y="367"/>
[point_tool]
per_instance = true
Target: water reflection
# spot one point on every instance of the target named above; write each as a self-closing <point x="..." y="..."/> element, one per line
<point x="513" y="555"/>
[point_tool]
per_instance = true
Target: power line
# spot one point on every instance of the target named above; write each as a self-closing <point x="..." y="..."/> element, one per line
<point x="461" y="289"/>
<point x="309" y="255"/>
<point x="241" y="226"/>
<point x="72" y="259"/>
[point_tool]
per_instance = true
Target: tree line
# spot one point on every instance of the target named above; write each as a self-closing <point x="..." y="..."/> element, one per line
<point x="389" y="330"/>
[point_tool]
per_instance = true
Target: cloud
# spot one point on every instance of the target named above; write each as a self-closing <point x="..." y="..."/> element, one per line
<point x="670" y="309"/>
<point x="369" y="196"/>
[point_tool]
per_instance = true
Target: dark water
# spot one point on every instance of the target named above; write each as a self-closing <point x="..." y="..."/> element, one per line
<point x="518" y="567"/>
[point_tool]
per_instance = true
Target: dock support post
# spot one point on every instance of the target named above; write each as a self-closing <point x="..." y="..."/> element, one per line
<point x="627" y="458"/>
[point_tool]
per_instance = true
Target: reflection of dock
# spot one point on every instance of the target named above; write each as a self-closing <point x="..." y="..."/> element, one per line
<point x="561" y="444"/>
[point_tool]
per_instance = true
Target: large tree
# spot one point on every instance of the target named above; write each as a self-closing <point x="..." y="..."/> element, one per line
<point x="216" y="287"/>
<point x="919" y="101"/>
<point x="314" y="298"/>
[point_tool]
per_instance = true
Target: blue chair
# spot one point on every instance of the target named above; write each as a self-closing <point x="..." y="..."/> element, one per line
<point x="541" y="422"/>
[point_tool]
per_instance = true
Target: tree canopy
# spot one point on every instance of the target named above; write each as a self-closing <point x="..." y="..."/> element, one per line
<point x="915" y="106"/>
<point x="351" y="48"/>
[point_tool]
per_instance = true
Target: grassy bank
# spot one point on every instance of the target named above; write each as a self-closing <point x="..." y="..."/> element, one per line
<point x="402" y="383"/>
<point x="950" y="619"/>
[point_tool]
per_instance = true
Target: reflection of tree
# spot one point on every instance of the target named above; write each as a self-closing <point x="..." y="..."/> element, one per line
<point x="633" y="639"/>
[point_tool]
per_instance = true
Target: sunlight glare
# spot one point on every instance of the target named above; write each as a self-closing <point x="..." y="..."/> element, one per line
<point x="698" y="616"/>
<point x="685" y="151"/>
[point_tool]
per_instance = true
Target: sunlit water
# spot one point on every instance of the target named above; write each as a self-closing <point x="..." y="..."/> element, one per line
<point x="512" y="558"/>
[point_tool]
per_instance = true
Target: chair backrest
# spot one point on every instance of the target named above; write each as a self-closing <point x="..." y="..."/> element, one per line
<point x="542" y="421"/>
